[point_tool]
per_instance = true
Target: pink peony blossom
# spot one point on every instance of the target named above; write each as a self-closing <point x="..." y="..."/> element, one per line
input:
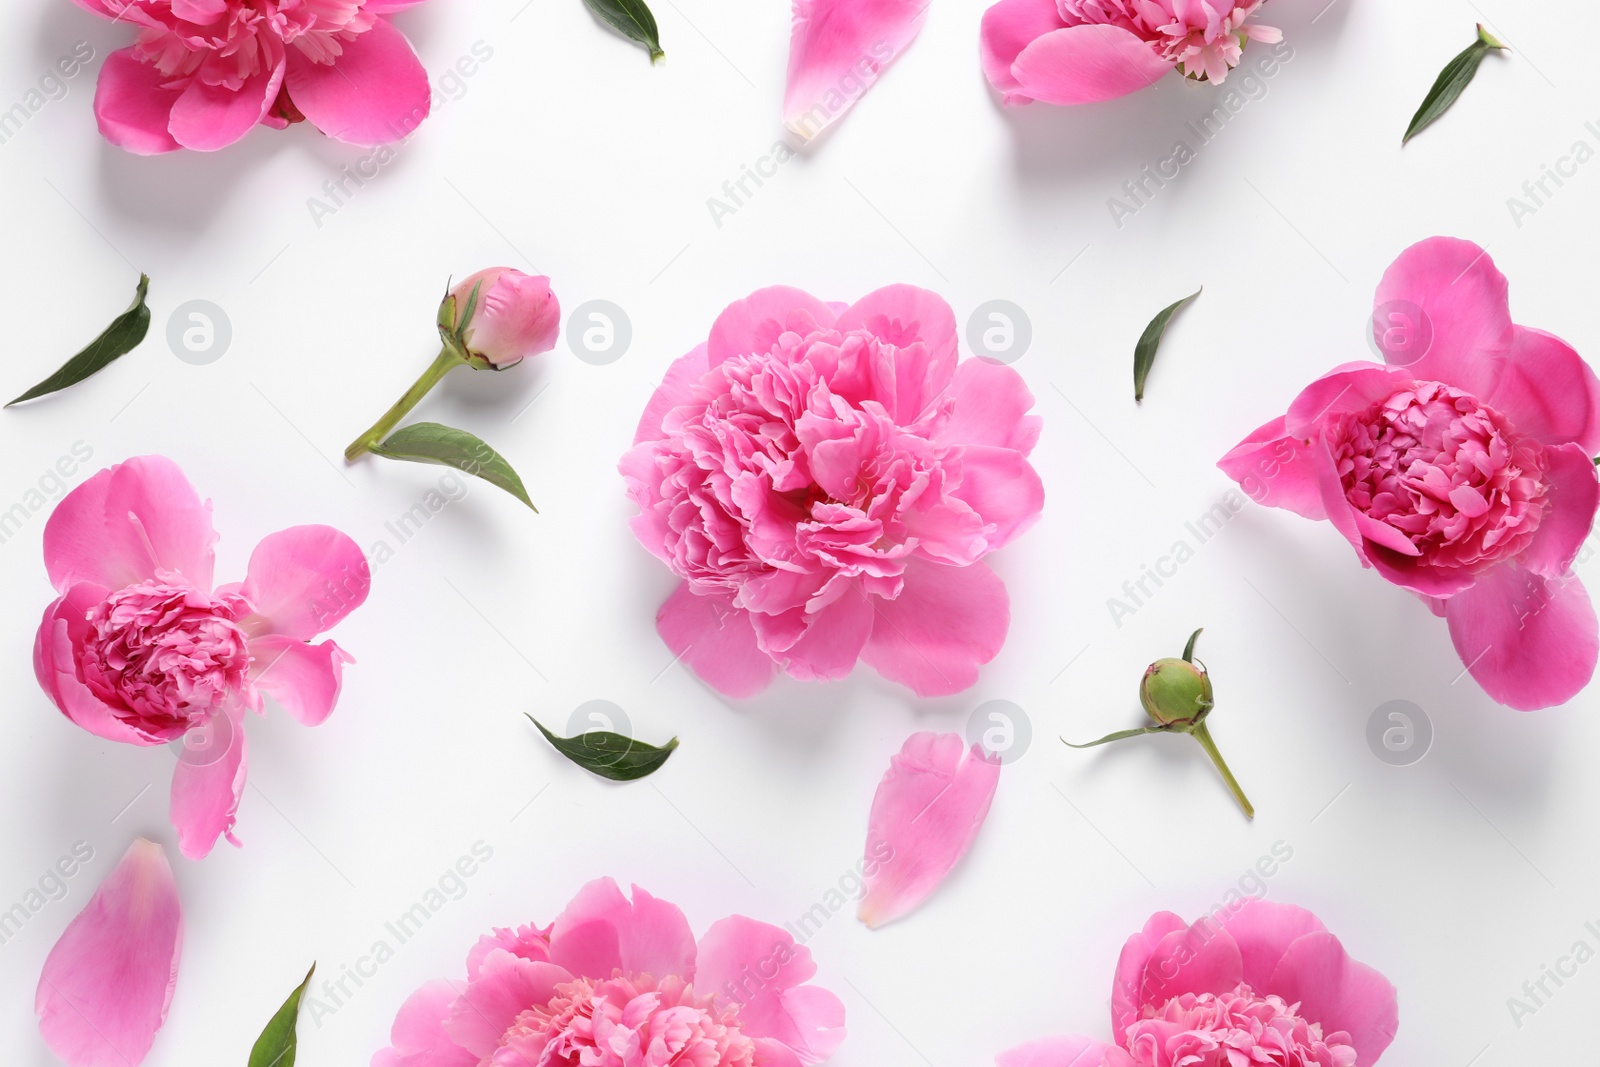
<point x="140" y="648"/>
<point x="826" y="480"/>
<point x="203" y="73"/>
<point x="837" y="51"/>
<point x="516" y="316"/>
<point x="1461" y="471"/>
<point x="620" y="983"/>
<point x="1084" y="51"/>
<point x="1258" y="983"/>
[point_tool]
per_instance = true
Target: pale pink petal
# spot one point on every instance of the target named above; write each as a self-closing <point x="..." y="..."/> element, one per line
<point x="1008" y="28"/>
<point x="208" y="781"/>
<point x="946" y="623"/>
<point x="761" y="969"/>
<point x="1086" y="64"/>
<point x="199" y="11"/>
<point x="1347" y="389"/>
<point x="388" y="7"/>
<point x="1341" y="994"/>
<point x="55" y="654"/>
<point x="1264" y="930"/>
<point x="1128" y="989"/>
<point x="837" y="50"/>
<point x="529" y="942"/>
<point x="304" y="678"/>
<point x="376" y="93"/>
<point x="1548" y="391"/>
<point x="1003" y="488"/>
<point x="1277" y="470"/>
<point x="210" y="117"/>
<point x="832" y="641"/>
<point x="418" y="1037"/>
<point x="1463" y="296"/>
<point x="506" y="986"/>
<point x="903" y="316"/>
<point x="753" y="325"/>
<point x="991" y="408"/>
<point x="1072" y="1051"/>
<point x="1530" y="641"/>
<point x="601" y="931"/>
<point x="1570" y="505"/>
<point x="716" y="640"/>
<point x="108" y="981"/>
<point x="1202" y="958"/>
<point x="303" y="580"/>
<point x="126" y="523"/>
<point x="132" y="105"/>
<point x="675" y="390"/>
<point x="926" y="814"/>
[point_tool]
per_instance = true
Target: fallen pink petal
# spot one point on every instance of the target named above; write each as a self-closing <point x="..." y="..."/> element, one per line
<point x="837" y="51"/>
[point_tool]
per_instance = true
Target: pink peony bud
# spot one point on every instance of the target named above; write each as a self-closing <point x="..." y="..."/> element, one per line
<point x="515" y="316"/>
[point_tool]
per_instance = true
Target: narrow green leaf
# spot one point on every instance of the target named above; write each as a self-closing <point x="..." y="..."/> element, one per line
<point x="277" y="1044"/>
<point x="1144" y="353"/>
<point x="1120" y="735"/>
<point x="1452" y="80"/>
<point x="429" y="442"/>
<point x="120" y="338"/>
<point x="1188" y="649"/>
<point x="632" y="19"/>
<point x="613" y="756"/>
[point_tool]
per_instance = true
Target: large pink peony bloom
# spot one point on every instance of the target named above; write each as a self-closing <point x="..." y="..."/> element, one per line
<point x="140" y="648"/>
<point x="1084" y="51"/>
<point x="620" y="983"/>
<point x="827" y="480"/>
<point x="1261" y="984"/>
<point x="204" y="72"/>
<point x="1461" y="471"/>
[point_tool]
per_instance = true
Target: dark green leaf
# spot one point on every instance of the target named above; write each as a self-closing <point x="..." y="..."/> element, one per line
<point x="613" y="756"/>
<point x="120" y="338"/>
<point x="1454" y="78"/>
<point x="1120" y="735"/>
<point x="633" y="20"/>
<point x="1144" y="353"/>
<point x="277" y="1044"/>
<point x="1188" y="649"/>
<point x="429" y="442"/>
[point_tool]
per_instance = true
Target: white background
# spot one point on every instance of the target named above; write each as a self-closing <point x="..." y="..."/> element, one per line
<point x="1458" y="877"/>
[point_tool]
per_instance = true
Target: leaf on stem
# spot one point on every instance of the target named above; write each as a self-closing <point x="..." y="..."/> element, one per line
<point x="1452" y="81"/>
<point x="429" y="442"/>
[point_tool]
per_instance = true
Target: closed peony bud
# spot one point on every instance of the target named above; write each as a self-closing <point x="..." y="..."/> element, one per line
<point x="1175" y="692"/>
<point x="501" y="316"/>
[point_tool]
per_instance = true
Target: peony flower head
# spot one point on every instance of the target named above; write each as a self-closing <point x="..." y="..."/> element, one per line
<point x="827" y="481"/>
<point x="1083" y="51"/>
<point x="203" y="73"/>
<point x="1255" y="983"/>
<point x="1461" y="470"/>
<point x="615" y="982"/>
<point x="512" y="316"/>
<point x="139" y="646"/>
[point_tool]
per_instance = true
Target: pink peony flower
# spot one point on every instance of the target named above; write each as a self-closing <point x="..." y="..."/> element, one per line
<point x="826" y="480"/>
<point x="1258" y="983"/>
<point x="620" y="983"/>
<point x="1084" y="51"/>
<point x="516" y="316"/>
<point x="1461" y="471"/>
<point x="140" y="648"/>
<point x="204" y="72"/>
<point x="837" y="50"/>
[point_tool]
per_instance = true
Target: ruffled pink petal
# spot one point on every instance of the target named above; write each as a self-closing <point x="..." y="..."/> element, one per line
<point x="1128" y="988"/>
<point x="753" y="325"/>
<point x="1570" y="505"/>
<point x="1086" y="64"/>
<point x="1548" y="391"/>
<point x="926" y="813"/>
<point x="388" y="7"/>
<point x="1457" y="287"/>
<point x="506" y="986"/>
<point x="761" y="969"/>
<point x="1200" y="959"/>
<point x="303" y="580"/>
<point x="108" y="981"/>
<point x="946" y="623"/>
<point x="208" y="782"/>
<point x="376" y="93"/>
<point x="56" y="649"/>
<point x="1341" y="994"/>
<point x="304" y="678"/>
<point x="903" y="316"/>
<point x="675" y="390"/>
<point x="207" y="117"/>
<point x="1008" y="28"/>
<point x="126" y="523"/>
<point x="837" y="50"/>
<point x="716" y="640"/>
<point x="132" y="105"/>
<point x="418" y="1037"/>
<point x="1264" y="930"/>
<point x="1347" y="389"/>
<point x="1003" y="488"/>
<point x="991" y="408"/>
<point x="1276" y="469"/>
<point x="1530" y="641"/>
<point x="1072" y="1051"/>
<point x="601" y="931"/>
<point x="529" y="942"/>
<point x="832" y="641"/>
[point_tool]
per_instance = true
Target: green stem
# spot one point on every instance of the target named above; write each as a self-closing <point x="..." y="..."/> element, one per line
<point x="1203" y="735"/>
<point x="449" y="358"/>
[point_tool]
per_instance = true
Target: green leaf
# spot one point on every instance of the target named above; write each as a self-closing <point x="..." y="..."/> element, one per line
<point x="1188" y="649"/>
<point x="277" y="1044"/>
<point x="633" y="20"/>
<point x="120" y="338"/>
<point x="1452" y="80"/>
<point x="429" y="442"/>
<point x="1144" y="353"/>
<point x="613" y="756"/>
<point x="1120" y="735"/>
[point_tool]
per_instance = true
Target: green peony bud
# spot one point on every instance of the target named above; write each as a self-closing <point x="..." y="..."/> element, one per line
<point x="1175" y="692"/>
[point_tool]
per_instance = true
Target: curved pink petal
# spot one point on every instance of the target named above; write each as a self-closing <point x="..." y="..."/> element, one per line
<point x="1407" y="570"/>
<point x="1530" y="641"/>
<point x="991" y="408"/>
<point x="418" y="1037"/>
<point x="1464" y="299"/>
<point x="832" y="641"/>
<point x="132" y="105"/>
<point x="207" y="783"/>
<point x="1009" y="27"/>
<point x="1128" y="992"/>
<point x="1086" y="64"/>
<point x="1548" y="391"/>
<point x="1347" y="389"/>
<point x="303" y="580"/>
<point x="505" y="987"/>
<point x="903" y="316"/>
<point x="762" y="970"/>
<point x="1074" y="1051"/>
<point x="388" y="7"/>
<point x="376" y="93"/>
<point x="716" y="640"/>
<point x="56" y="648"/>
<point x="946" y="623"/>
<point x="529" y="942"/>
<point x="1574" y="496"/>
<point x="126" y="523"/>
<point x="837" y="50"/>
<point x="304" y="678"/>
<point x="1003" y="488"/>
<point x="1276" y="469"/>
<point x="602" y="930"/>
<point x="207" y="117"/>
<point x="926" y="814"/>
<point x="1341" y="994"/>
<point x="1264" y="930"/>
<point x="1202" y="958"/>
<point x="754" y="324"/>
<point x="108" y="981"/>
<point x="675" y="390"/>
